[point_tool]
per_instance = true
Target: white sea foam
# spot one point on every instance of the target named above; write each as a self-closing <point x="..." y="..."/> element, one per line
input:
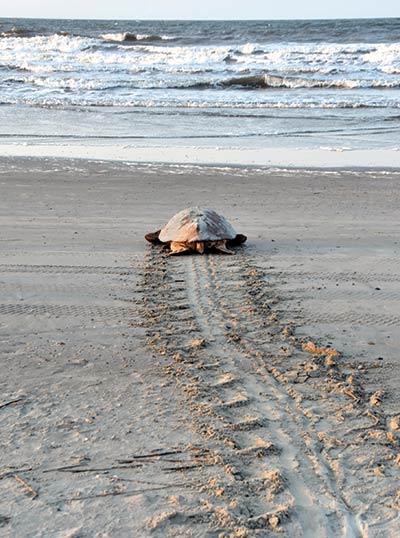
<point x="119" y="36"/>
<point x="53" y="43"/>
<point x="383" y="52"/>
<point x="108" y="70"/>
<point x="79" y="51"/>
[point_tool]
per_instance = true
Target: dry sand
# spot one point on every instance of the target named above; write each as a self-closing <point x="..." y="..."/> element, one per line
<point x="199" y="395"/>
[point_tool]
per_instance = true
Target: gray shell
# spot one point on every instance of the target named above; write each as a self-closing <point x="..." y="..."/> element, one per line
<point x="197" y="224"/>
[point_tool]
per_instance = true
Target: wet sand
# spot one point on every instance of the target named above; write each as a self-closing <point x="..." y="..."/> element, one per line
<point x="220" y="396"/>
<point x="206" y="153"/>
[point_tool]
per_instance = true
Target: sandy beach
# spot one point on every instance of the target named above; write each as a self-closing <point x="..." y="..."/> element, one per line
<point x="209" y="396"/>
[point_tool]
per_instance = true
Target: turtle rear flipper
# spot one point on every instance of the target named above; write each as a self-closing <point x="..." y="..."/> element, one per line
<point x="153" y="237"/>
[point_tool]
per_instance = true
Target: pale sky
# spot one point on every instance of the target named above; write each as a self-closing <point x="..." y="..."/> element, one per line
<point x="199" y="9"/>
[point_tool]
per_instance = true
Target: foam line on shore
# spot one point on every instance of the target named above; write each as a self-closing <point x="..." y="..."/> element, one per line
<point x="282" y="157"/>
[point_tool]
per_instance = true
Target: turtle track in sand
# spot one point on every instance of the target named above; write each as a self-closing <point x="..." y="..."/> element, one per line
<point x="295" y="442"/>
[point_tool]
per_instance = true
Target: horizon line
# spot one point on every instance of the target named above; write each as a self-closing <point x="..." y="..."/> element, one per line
<point x="200" y="20"/>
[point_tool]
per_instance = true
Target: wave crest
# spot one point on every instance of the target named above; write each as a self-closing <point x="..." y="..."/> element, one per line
<point x="122" y="37"/>
<point x="16" y="31"/>
<point x="276" y="81"/>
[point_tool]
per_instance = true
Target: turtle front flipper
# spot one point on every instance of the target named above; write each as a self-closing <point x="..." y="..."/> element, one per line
<point x="153" y="237"/>
<point x="220" y="246"/>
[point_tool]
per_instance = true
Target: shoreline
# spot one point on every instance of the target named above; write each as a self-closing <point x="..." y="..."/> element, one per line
<point x="315" y="158"/>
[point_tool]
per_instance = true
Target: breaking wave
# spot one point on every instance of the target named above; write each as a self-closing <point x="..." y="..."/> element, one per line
<point x="151" y="101"/>
<point x="122" y="37"/>
<point x="288" y="82"/>
<point x="276" y="81"/>
<point x="16" y="31"/>
<point x="19" y="31"/>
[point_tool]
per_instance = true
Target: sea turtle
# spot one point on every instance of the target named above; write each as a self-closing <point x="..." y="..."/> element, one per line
<point x="197" y="229"/>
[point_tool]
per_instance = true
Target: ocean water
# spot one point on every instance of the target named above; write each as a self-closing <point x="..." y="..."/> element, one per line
<point x="329" y="83"/>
